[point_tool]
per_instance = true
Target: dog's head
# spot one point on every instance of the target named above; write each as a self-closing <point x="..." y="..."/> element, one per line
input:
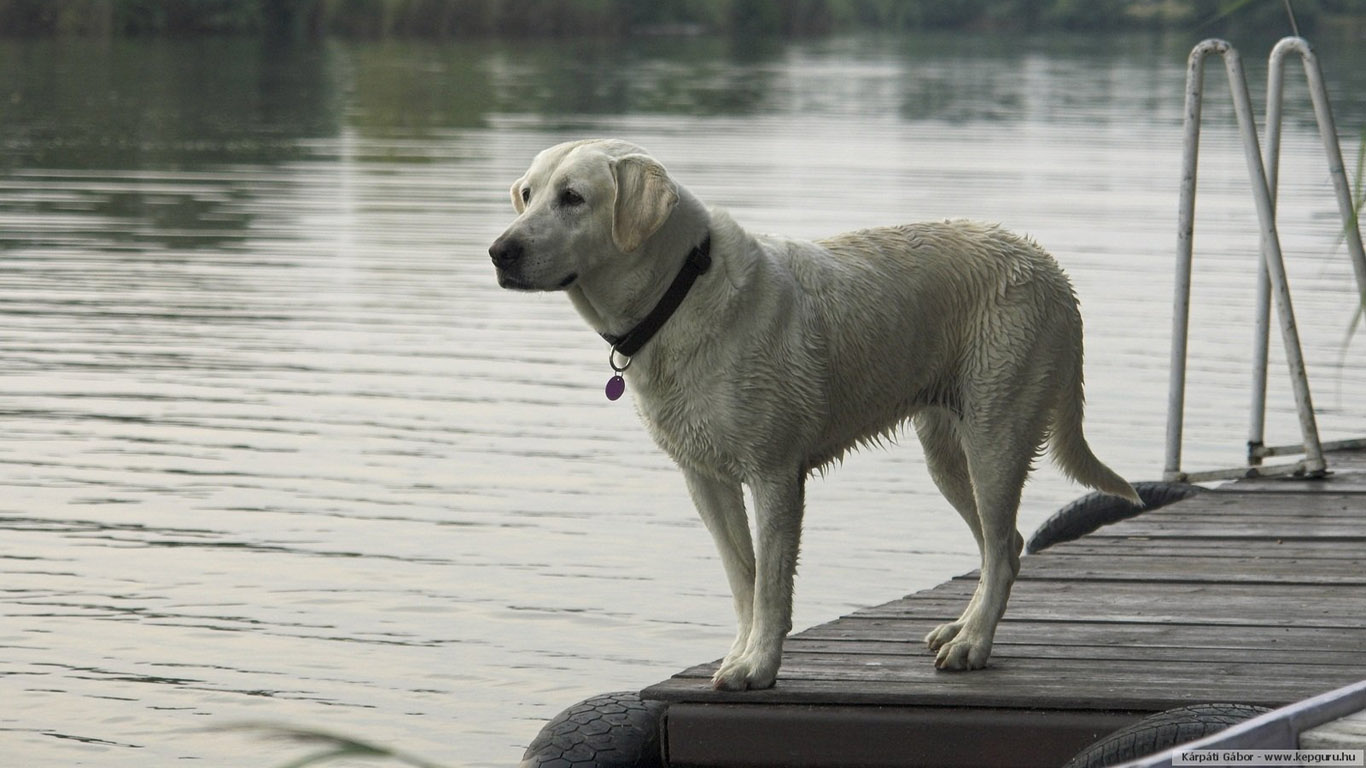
<point x="580" y="206"/>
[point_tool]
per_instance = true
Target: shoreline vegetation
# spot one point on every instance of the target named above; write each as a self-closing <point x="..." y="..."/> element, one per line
<point x="618" y="18"/>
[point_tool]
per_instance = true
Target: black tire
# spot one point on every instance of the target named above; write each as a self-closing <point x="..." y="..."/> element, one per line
<point x="1162" y="731"/>
<point x="613" y="730"/>
<point x="1097" y="509"/>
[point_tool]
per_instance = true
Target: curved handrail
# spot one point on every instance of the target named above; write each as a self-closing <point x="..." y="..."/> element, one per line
<point x="1323" y="114"/>
<point x="1272" y="259"/>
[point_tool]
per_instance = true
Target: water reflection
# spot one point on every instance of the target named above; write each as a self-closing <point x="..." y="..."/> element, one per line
<point x="137" y="104"/>
<point x="275" y="446"/>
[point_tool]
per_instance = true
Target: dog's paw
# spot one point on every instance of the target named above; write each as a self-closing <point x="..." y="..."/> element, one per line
<point x="746" y="672"/>
<point x="943" y="634"/>
<point x="963" y="653"/>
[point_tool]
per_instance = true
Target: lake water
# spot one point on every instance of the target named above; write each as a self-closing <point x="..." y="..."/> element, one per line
<point x="275" y="448"/>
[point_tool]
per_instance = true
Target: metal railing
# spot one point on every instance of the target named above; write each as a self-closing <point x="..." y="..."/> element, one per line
<point x="1271" y="271"/>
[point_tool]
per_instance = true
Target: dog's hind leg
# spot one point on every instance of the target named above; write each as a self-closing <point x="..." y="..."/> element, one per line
<point x="721" y="505"/>
<point x="998" y="461"/>
<point x="948" y="465"/>
<point x="778" y="507"/>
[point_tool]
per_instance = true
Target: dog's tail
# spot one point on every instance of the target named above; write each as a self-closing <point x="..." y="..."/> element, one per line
<point x="1068" y="444"/>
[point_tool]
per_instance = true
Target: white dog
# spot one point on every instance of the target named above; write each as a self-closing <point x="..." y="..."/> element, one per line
<point x="757" y="359"/>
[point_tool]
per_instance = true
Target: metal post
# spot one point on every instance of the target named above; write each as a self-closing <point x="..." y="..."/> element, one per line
<point x="1271" y="272"/>
<point x="1266" y="215"/>
<point x="1256" y="438"/>
<point x="1351" y="232"/>
<point x="1323" y="114"/>
<point x="1185" y="233"/>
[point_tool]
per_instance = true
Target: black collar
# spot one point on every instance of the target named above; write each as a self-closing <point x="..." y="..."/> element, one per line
<point x="698" y="262"/>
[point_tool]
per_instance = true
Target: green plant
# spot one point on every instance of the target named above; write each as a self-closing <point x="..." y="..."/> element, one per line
<point x="333" y="746"/>
<point x="1354" y="223"/>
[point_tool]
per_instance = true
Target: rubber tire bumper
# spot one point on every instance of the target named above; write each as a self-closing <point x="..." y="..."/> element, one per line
<point x="1099" y="509"/>
<point x="612" y="730"/>
<point x="1162" y="731"/>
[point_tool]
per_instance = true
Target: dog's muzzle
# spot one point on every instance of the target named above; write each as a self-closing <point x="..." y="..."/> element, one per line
<point x="508" y="253"/>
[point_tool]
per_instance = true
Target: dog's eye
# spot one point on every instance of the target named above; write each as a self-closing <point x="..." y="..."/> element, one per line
<point x="569" y="197"/>
<point x="526" y="194"/>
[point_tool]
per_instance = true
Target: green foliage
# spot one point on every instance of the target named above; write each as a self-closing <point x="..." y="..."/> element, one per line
<point x="1354" y="222"/>
<point x="333" y="746"/>
<point x="483" y="18"/>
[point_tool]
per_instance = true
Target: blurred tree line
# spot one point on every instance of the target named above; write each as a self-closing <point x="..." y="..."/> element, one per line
<point x="487" y="18"/>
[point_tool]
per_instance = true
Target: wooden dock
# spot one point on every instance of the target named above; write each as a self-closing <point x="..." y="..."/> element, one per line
<point x="1252" y="594"/>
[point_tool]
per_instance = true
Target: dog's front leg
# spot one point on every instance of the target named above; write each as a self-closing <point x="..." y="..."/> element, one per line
<point x="721" y="505"/>
<point x="778" y="524"/>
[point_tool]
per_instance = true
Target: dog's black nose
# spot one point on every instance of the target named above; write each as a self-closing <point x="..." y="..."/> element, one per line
<point x="505" y="252"/>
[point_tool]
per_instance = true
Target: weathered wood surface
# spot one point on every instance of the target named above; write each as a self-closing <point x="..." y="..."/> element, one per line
<point x="1252" y="595"/>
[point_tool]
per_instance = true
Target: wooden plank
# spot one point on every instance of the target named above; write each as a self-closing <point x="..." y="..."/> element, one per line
<point x="1236" y="503"/>
<point x="1177" y="602"/>
<point x="1336" y="483"/>
<point x="1119" y="618"/>
<point x="1035" y="679"/>
<point x="1251" y="643"/>
<point x="1043" y="672"/>
<point x="1237" y="500"/>
<point x="1331" y="618"/>
<point x="1232" y="517"/>
<point x="1040" y="675"/>
<point x="1350" y="523"/>
<point x="855" y="633"/>
<point x="1279" y="595"/>
<point x="1251" y="531"/>
<point x="863" y="652"/>
<point x="1294" y="570"/>
<point x="1239" y="506"/>
<point x="1243" y="515"/>
<point x="1224" y="549"/>
<point x="1145" y="688"/>
<point x="1234" y="506"/>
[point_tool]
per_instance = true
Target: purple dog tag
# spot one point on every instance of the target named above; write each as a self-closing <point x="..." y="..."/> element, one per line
<point x="615" y="386"/>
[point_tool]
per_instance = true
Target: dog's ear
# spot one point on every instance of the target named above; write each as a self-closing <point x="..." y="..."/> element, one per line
<point x="645" y="198"/>
<point x="517" y="201"/>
